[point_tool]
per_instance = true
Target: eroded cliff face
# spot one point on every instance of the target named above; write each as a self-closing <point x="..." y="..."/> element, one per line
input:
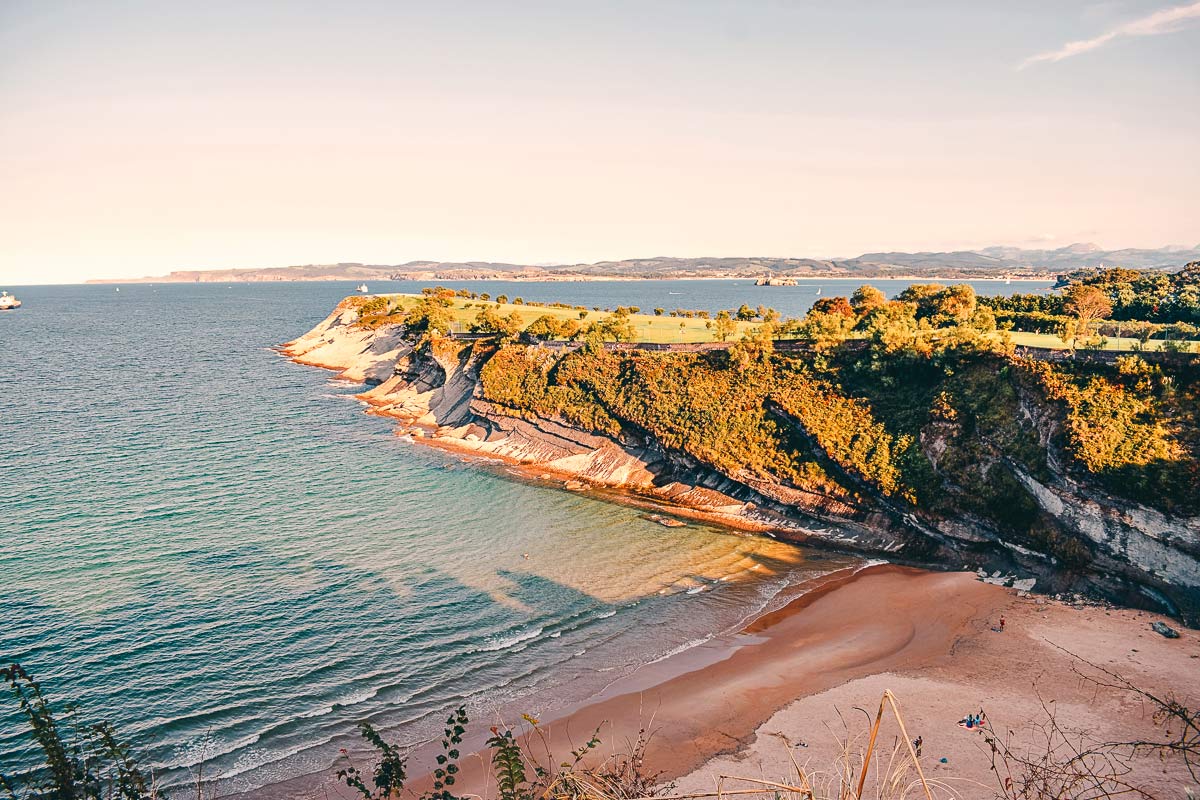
<point x="1134" y="554"/>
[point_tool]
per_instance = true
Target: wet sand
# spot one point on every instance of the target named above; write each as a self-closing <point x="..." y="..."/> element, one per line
<point x="740" y="703"/>
<point x="709" y="700"/>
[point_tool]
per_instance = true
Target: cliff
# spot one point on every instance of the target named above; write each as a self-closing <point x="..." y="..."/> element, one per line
<point x="1082" y="477"/>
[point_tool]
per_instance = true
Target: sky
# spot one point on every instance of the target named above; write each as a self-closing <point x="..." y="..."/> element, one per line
<point x="143" y="136"/>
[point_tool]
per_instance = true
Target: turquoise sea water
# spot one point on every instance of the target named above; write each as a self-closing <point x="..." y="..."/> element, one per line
<point x="214" y="549"/>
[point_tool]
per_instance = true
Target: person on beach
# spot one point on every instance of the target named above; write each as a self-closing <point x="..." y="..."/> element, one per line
<point x="1002" y="623"/>
<point x="917" y="742"/>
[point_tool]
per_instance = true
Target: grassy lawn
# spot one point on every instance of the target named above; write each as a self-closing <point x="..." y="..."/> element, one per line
<point x="681" y="329"/>
<point x="1048" y="341"/>
<point x="649" y="327"/>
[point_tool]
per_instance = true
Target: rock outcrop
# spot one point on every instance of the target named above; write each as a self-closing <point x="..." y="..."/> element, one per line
<point x="1138" y="555"/>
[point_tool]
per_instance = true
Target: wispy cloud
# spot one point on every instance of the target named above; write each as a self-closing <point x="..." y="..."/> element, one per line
<point x="1163" y="21"/>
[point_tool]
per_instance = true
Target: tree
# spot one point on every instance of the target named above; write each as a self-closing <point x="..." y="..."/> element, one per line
<point x="835" y="305"/>
<point x="724" y="326"/>
<point x="430" y="317"/>
<point x="658" y="312"/>
<point x="489" y="321"/>
<point x="955" y="305"/>
<point x="617" y="327"/>
<point x="826" y="329"/>
<point x="1087" y="304"/>
<point x="501" y="299"/>
<point x="569" y="329"/>
<point x="745" y="313"/>
<point x="893" y="328"/>
<point x="545" y="327"/>
<point x="923" y="298"/>
<point x="1068" y="331"/>
<point x="754" y="348"/>
<point x="512" y="326"/>
<point x="865" y="300"/>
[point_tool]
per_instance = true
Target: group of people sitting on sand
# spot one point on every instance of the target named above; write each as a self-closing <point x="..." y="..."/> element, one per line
<point x="971" y="721"/>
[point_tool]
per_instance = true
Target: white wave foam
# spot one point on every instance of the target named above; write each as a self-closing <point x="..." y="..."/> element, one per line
<point x="200" y="751"/>
<point x="257" y="759"/>
<point x="509" y="641"/>
<point x="317" y="712"/>
<point x="685" y="646"/>
<point x="355" y="699"/>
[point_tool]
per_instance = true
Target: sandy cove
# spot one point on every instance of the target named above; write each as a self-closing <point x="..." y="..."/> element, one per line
<point x="725" y="707"/>
<point x="731" y="706"/>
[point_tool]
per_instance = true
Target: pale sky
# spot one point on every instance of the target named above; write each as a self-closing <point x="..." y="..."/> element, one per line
<point x="144" y="136"/>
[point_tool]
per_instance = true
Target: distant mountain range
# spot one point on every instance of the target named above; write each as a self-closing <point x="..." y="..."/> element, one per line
<point x="988" y="262"/>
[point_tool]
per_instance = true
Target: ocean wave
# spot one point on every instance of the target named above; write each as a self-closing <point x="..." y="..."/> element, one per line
<point x="674" y="651"/>
<point x="509" y="641"/>
<point x="258" y="759"/>
<point x="316" y="712"/>
<point x="200" y="751"/>
<point x="355" y="699"/>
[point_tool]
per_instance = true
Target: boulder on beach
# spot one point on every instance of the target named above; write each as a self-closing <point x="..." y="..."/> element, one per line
<point x="1164" y="629"/>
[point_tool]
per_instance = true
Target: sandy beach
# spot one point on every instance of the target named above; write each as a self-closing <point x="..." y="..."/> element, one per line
<point x="797" y="682"/>
<point x="795" y="679"/>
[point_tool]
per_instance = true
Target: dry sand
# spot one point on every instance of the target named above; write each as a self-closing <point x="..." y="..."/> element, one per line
<point x="1009" y="675"/>
<point x="720" y="709"/>
<point x="799" y="680"/>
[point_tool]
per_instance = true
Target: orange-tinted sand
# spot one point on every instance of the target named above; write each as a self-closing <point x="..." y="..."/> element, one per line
<point x="883" y="619"/>
<point x="731" y="706"/>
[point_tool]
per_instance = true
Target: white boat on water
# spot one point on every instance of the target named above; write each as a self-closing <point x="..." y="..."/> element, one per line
<point x="362" y="287"/>
<point x="8" y="302"/>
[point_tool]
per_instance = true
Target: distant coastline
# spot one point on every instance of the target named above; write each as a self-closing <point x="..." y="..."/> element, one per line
<point x="1034" y="278"/>
<point x="989" y="263"/>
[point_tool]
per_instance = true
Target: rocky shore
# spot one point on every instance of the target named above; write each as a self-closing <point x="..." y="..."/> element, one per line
<point x="1141" y="556"/>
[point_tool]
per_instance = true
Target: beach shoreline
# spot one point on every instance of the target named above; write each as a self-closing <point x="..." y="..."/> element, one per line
<point x="732" y="705"/>
<point x="708" y="701"/>
<point x="784" y="682"/>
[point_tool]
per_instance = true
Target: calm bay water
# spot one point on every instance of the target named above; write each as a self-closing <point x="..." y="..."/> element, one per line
<point x="214" y="549"/>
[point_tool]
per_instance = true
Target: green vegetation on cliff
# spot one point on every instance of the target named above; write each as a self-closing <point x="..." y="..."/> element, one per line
<point x="914" y="403"/>
<point x="1133" y="426"/>
<point x="937" y="433"/>
<point x="686" y="401"/>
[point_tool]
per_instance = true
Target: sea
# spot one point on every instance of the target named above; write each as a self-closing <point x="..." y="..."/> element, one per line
<point x="216" y="551"/>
